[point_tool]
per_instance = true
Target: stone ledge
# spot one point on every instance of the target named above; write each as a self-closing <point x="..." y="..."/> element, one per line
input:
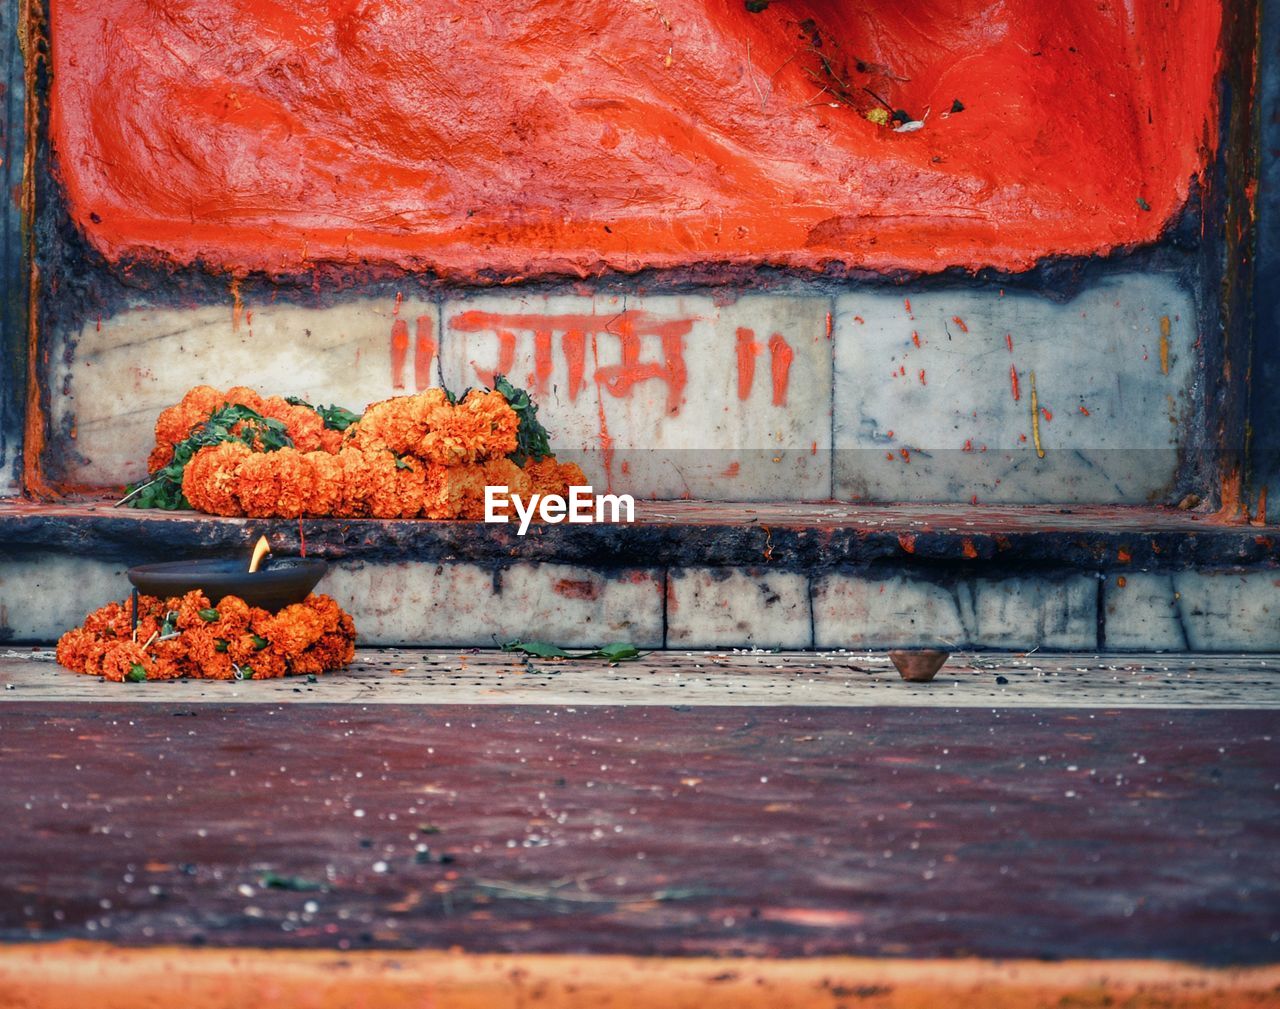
<point x="807" y="537"/>
<point x="691" y="574"/>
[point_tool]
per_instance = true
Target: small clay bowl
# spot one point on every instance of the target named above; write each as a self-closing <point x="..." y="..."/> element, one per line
<point x="275" y="585"/>
<point x="919" y="665"/>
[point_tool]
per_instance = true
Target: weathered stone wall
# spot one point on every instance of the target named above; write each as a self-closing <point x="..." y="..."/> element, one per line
<point x="859" y="393"/>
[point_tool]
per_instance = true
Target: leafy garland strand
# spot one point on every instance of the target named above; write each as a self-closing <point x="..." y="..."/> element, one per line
<point x="233" y="422"/>
<point x="163" y="489"/>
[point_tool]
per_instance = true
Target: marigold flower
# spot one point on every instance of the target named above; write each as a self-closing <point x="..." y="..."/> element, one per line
<point x="326" y="494"/>
<point x="306" y="427"/>
<point x="400" y="423"/>
<point x="483" y="426"/>
<point x="209" y="480"/>
<point x="119" y="661"/>
<point x="219" y="643"/>
<point x="259" y="484"/>
<point x="548" y="476"/>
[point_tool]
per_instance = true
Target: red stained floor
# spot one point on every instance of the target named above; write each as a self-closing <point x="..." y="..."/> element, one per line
<point x="477" y="135"/>
<point x="645" y="830"/>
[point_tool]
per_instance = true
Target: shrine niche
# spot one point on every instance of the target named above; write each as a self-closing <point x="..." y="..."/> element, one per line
<point x="474" y="137"/>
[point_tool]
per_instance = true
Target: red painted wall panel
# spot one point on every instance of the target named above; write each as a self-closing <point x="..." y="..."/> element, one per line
<point x="530" y="137"/>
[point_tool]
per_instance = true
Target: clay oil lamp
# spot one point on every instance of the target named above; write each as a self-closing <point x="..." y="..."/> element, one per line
<point x="918" y="665"/>
<point x="273" y="585"/>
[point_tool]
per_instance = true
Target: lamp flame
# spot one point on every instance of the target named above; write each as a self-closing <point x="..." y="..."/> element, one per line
<point x="260" y="550"/>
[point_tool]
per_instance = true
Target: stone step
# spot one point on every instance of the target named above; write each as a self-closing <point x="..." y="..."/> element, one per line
<point x="699" y="574"/>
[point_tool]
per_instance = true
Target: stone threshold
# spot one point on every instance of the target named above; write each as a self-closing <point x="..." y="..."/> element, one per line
<point x="778" y="535"/>
<point x="68" y="975"/>
<point x="687" y="679"/>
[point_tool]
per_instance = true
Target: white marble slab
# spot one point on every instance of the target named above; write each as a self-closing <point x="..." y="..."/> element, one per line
<point x="925" y="406"/>
<point x="465" y="604"/>
<point x="858" y="611"/>
<point x="42" y="596"/>
<point x="665" y="396"/>
<point x="714" y="607"/>
<point x="1194" y="610"/>
<point x="112" y="378"/>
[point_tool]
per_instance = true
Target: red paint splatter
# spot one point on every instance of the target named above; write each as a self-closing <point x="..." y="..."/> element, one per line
<point x="968" y="445"/>
<point x="748" y="350"/>
<point x="908" y="542"/>
<point x="922" y="380"/>
<point x="780" y="357"/>
<point x="906" y="456"/>
<point x="732" y="469"/>
<point x="1008" y="339"/>
<point x="1013" y="382"/>
<point x="907" y="303"/>
<point x="424" y="352"/>
<point x="630" y="328"/>
<point x="506" y="358"/>
<point x="399" y="352"/>
<point x="574" y="344"/>
<point x="1044" y="412"/>
<point x="859" y="320"/>
<point x="915" y="338"/>
<point x="606" y="443"/>
<point x="1084" y="409"/>
<point x="969" y="549"/>
<point x="542" y="363"/>
<point x="577" y="588"/>
<point x="960" y="322"/>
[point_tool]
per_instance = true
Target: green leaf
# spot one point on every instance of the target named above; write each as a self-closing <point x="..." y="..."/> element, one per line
<point x="209" y="616"/>
<point x="619" y="651"/>
<point x="403" y="463"/>
<point x="539" y="649"/>
<point x="163" y="488"/>
<point x="219" y="644"/>
<point x="259" y="642"/>
<point x="532" y="440"/>
<point x="337" y="418"/>
<point x="136" y="673"/>
<point x="273" y="881"/>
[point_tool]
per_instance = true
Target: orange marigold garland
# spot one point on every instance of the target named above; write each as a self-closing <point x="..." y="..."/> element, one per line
<point x="426" y="455"/>
<point x="186" y="637"/>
